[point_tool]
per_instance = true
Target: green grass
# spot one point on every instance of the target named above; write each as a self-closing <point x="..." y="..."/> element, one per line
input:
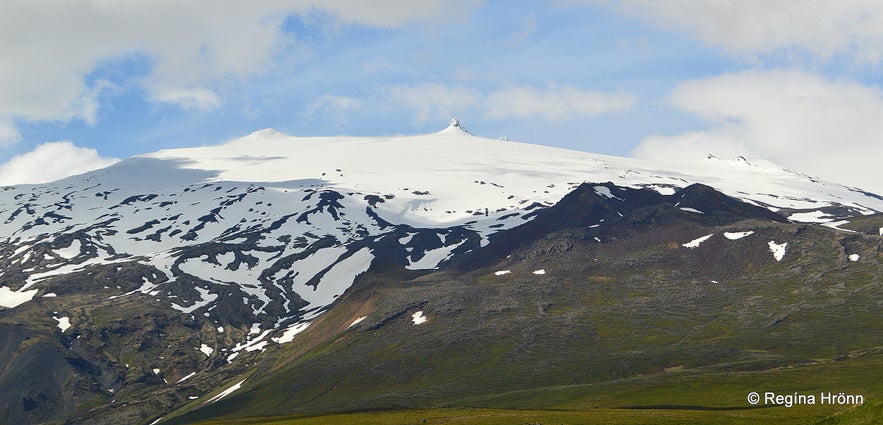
<point x="870" y="413"/>
<point x="711" y="387"/>
<point x="701" y="396"/>
<point x="867" y="414"/>
<point x="509" y="417"/>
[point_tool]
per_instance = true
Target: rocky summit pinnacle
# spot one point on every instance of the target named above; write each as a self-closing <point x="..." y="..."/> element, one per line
<point x="456" y="128"/>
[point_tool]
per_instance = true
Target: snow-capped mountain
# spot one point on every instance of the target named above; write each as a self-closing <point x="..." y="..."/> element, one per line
<point x="254" y="239"/>
<point x="289" y="219"/>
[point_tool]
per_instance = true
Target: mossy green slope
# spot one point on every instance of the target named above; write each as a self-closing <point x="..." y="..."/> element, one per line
<point x="636" y="324"/>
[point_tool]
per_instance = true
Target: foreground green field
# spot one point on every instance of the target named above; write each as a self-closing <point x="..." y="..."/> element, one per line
<point x="870" y="414"/>
<point x="676" y="397"/>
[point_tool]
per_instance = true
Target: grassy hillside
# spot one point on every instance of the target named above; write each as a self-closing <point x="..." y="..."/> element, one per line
<point x="631" y="327"/>
<point x="703" y="396"/>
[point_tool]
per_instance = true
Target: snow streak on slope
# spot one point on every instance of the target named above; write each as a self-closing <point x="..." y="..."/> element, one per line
<point x="696" y="242"/>
<point x="738" y="235"/>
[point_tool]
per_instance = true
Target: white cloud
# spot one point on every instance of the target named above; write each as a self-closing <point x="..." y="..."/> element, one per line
<point x="331" y="105"/>
<point x="392" y="13"/>
<point x="829" y="128"/>
<point x="197" y="98"/>
<point x="747" y="27"/>
<point x="8" y="133"/>
<point x="433" y="101"/>
<point x="50" y="49"/>
<point x="51" y="161"/>
<point x="554" y="103"/>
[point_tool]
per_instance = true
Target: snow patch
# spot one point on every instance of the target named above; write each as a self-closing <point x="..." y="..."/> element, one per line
<point x="662" y="190"/>
<point x="605" y="192"/>
<point x="502" y="272"/>
<point x="12" y="299"/>
<point x="737" y="235"/>
<point x="837" y="224"/>
<point x="433" y="257"/>
<point x="692" y="210"/>
<point x="810" y="217"/>
<point x="418" y="318"/>
<point x="696" y="242"/>
<point x="289" y="333"/>
<point x="50" y="295"/>
<point x="854" y="257"/>
<point x="778" y="250"/>
<point x="70" y="251"/>
<point x="20" y="249"/>
<point x="63" y="323"/>
<point x="258" y="346"/>
<point x="539" y="272"/>
<point x="206" y="350"/>
<point x="338" y="279"/>
<point x="255" y="344"/>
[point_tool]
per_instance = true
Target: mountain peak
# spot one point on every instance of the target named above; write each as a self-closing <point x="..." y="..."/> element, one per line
<point x="266" y="132"/>
<point x="455" y="128"/>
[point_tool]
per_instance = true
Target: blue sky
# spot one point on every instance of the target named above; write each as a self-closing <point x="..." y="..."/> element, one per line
<point x="86" y="82"/>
